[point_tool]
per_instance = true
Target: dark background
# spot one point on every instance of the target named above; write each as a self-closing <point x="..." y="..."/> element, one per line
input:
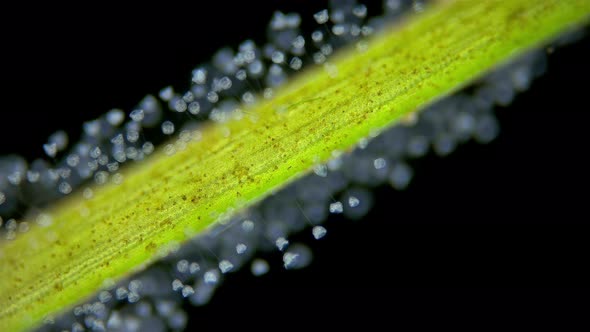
<point x="492" y="231"/>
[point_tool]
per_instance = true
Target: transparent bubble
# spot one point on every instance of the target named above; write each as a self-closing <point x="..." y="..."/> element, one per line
<point x="187" y="291"/>
<point x="298" y="42"/>
<point x="487" y="129"/>
<point x="137" y="115"/>
<point x="417" y="146"/>
<point x="92" y="128"/>
<point x="166" y="93"/>
<point x="281" y="243"/>
<point x="321" y="170"/>
<point x="319" y="58"/>
<point x="298" y="257"/>
<point x="23" y="227"/>
<point x="194" y="268"/>
<point x="176" y="285"/>
<point x="211" y="277"/>
<point x="199" y="76"/>
<point x="321" y="17"/>
<point x="336" y="207"/>
<point x="167" y="128"/>
<point x="225" y="266"/>
<point x="60" y="139"/>
<point x="11" y="224"/>
<point x="360" y="11"/>
<point x="319" y="232"/>
<point x="379" y="163"/>
<point x="259" y="267"/>
<point x="188" y="97"/>
<point x="247" y="225"/>
<point x="65" y="188"/>
<point x="182" y="266"/>
<point x="295" y="63"/>
<point x="359" y="202"/>
<point x="317" y="36"/>
<point x="212" y="97"/>
<point x="104" y="296"/>
<point x="121" y="293"/>
<point x="180" y="105"/>
<point x="50" y="149"/>
<point x="339" y="29"/>
<point x="241" y="248"/>
<point x="400" y="176"/>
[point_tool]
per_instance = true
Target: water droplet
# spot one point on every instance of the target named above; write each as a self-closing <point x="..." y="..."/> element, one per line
<point x="44" y="220"/>
<point x="336" y="207"/>
<point x="278" y="57"/>
<point x="187" y="291"/>
<point x="296" y="63"/>
<point x="321" y="17"/>
<point x="211" y="277"/>
<point x="298" y="257"/>
<point x="289" y="259"/>
<point x="281" y="243"/>
<point x="194" y="268"/>
<point x="104" y="296"/>
<point x="60" y="138"/>
<point x="225" y="266"/>
<point x="115" y="117"/>
<point x="319" y="232"/>
<point x="298" y="42"/>
<point x="95" y="152"/>
<point x="212" y="97"/>
<point x="359" y="11"/>
<point x="241" y="248"/>
<point x="167" y="128"/>
<point x="199" y="76"/>
<point x="50" y="149"/>
<point x="121" y="293"/>
<point x="166" y="93"/>
<point x="321" y="170"/>
<point x="133" y="297"/>
<point x="176" y="285"/>
<point x="11" y="224"/>
<point x="400" y="176"/>
<point x="379" y="163"/>
<point x="247" y="225"/>
<point x="137" y="115"/>
<point x="259" y="267"/>
<point x="87" y="193"/>
<point x="23" y="227"/>
<point x="182" y="266"/>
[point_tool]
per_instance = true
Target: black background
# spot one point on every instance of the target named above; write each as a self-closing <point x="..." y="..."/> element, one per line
<point x="491" y="232"/>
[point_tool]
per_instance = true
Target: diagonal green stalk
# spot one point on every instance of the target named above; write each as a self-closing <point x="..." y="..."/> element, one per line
<point x="80" y="242"/>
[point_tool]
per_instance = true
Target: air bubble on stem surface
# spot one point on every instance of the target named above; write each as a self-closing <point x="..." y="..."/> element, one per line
<point x="225" y="266"/>
<point x="336" y="207"/>
<point x="297" y="257"/>
<point x="319" y="232"/>
<point x="322" y="16"/>
<point x="281" y="243"/>
<point x="259" y="267"/>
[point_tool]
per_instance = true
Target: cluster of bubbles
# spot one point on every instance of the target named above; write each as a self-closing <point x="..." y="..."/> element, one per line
<point x="232" y="79"/>
<point x="152" y="300"/>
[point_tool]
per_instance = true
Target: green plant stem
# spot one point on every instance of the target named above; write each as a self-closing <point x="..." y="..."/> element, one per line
<point x="168" y="199"/>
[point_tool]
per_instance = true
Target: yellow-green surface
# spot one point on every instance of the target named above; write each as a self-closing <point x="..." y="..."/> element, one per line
<point x="169" y="198"/>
